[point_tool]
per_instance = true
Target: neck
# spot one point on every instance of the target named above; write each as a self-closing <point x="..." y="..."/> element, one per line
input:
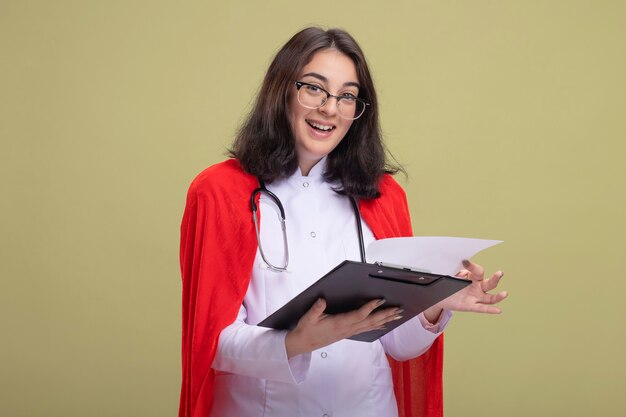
<point x="306" y="166"/>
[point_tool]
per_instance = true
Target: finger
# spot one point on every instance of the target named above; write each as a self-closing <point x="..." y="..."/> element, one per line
<point x="463" y="273"/>
<point x="352" y="321"/>
<point x="315" y="312"/>
<point x="383" y="327"/>
<point x="477" y="272"/>
<point x="492" y="282"/>
<point x="381" y="316"/>
<point x="378" y="321"/>
<point x="494" y="298"/>
<point x="486" y="309"/>
<point x="363" y="312"/>
<point x="384" y="316"/>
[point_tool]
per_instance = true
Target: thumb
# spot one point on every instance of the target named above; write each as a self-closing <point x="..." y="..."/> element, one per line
<point x="476" y="272"/>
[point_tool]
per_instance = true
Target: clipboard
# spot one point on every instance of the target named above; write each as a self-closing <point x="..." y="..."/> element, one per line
<point x="352" y="284"/>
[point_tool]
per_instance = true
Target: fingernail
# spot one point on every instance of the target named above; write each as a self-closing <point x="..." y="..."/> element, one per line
<point x="381" y="302"/>
<point x="399" y="310"/>
<point x="319" y="302"/>
<point x="466" y="263"/>
<point x="398" y="317"/>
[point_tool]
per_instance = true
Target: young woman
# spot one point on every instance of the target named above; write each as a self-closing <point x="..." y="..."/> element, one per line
<point x="312" y="143"/>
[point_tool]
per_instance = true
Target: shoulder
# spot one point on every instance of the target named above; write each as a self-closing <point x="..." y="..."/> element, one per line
<point x="226" y="178"/>
<point x="388" y="215"/>
<point x="390" y="189"/>
<point x="392" y="196"/>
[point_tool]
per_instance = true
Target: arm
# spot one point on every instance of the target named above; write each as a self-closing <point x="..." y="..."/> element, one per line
<point x="414" y="337"/>
<point x="258" y="352"/>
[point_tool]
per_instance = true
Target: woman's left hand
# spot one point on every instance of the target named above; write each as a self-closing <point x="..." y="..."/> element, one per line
<point x="475" y="297"/>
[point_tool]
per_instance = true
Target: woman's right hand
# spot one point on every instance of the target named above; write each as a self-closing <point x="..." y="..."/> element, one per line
<point x="316" y="329"/>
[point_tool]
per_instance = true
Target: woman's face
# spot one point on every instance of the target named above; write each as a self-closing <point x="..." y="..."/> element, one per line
<point x="318" y="131"/>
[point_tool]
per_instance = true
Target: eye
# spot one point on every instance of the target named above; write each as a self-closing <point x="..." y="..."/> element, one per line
<point x="348" y="97"/>
<point x="313" y="88"/>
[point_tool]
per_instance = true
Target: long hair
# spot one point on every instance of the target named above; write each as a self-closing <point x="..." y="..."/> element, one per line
<point x="265" y="144"/>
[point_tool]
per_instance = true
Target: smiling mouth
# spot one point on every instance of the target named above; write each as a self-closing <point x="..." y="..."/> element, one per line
<point x="320" y="127"/>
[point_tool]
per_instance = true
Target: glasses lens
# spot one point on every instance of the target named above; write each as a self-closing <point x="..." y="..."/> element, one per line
<point x="314" y="97"/>
<point x="311" y="96"/>
<point x="350" y="108"/>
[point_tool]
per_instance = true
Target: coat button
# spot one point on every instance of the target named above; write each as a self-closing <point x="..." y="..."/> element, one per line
<point x="323" y="354"/>
<point x="313" y="234"/>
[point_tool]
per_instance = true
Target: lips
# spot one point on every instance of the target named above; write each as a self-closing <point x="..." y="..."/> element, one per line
<point x="321" y="127"/>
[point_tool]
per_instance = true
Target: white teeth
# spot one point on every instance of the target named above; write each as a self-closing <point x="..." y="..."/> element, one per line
<point x="321" y="127"/>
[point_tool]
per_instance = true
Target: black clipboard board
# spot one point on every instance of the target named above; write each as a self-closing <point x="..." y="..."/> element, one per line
<point x="351" y="284"/>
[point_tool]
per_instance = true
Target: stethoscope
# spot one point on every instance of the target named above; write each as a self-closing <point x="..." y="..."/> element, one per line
<point x="263" y="190"/>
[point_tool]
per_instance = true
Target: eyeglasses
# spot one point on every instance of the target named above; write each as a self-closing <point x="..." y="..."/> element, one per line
<point x="313" y="96"/>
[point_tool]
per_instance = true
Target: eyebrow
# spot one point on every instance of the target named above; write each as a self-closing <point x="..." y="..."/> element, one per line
<point x="324" y="79"/>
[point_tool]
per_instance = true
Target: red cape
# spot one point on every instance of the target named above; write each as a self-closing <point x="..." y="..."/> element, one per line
<point x="217" y="251"/>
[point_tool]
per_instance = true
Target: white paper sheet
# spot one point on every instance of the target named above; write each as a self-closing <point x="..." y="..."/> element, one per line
<point x="437" y="254"/>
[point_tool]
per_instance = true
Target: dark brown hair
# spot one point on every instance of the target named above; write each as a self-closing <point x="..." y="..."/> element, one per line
<point x="265" y="144"/>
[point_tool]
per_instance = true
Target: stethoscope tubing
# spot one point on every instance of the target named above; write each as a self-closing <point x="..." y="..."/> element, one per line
<point x="262" y="189"/>
<point x="359" y="227"/>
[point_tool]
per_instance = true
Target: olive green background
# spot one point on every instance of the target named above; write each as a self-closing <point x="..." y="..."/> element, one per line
<point x="509" y="117"/>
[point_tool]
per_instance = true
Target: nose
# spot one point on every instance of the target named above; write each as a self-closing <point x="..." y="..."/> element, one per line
<point x="330" y="107"/>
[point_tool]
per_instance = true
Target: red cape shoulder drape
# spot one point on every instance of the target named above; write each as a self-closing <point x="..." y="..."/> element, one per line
<point x="217" y="250"/>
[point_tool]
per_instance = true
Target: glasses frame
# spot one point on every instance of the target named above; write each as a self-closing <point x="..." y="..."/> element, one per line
<point x="300" y="84"/>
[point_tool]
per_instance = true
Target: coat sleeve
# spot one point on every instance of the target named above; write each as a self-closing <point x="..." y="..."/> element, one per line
<point x="217" y="250"/>
<point x="418" y="383"/>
